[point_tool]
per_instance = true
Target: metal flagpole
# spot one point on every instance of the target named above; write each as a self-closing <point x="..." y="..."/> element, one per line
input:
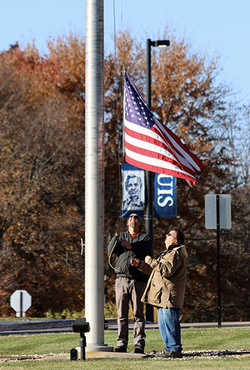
<point x="149" y="175"/>
<point x="94" y="177"/>
<point x="149" y="178"/>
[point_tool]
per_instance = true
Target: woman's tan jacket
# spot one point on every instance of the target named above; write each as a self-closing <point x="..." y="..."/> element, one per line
<point x="167" y="281"/>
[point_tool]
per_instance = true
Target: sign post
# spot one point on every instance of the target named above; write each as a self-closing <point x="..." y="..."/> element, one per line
<point x="20" y="301"/>
<point x="218" y="257"/>
<point x="218" y="216"/>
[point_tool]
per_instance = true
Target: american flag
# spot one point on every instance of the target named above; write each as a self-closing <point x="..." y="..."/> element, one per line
<point x="149" y="144"/>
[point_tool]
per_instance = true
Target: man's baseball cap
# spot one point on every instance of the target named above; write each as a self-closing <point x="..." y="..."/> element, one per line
<point x="135" y="216"/>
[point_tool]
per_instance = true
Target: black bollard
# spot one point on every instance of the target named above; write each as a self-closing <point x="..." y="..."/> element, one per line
<point x="73" y="354"/>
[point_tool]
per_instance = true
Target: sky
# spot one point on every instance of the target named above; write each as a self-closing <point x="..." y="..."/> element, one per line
<point x="212" y="26"/>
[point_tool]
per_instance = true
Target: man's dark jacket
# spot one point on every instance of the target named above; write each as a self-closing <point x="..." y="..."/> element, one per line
<point x="141" y="247"/>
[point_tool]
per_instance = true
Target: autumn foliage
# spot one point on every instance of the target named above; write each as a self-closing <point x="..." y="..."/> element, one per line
<point x="42" y="172"/>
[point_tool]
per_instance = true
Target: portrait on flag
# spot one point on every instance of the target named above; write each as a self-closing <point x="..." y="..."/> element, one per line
<point x="133" y="190"/>
<point x="165" y="196"/>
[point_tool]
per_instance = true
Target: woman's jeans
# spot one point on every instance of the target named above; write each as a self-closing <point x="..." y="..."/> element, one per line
<point x="169" y="325"/>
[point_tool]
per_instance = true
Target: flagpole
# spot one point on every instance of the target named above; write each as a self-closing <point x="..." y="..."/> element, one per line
<point x="148" y="179"/>
<point x="148" y="175"/>
<point x="94" y="177"/>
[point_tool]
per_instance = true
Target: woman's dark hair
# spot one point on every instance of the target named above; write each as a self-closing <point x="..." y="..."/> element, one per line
<point x="180" y="236"/>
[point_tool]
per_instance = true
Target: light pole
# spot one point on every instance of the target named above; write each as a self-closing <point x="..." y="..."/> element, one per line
<point x="148" y="175"/>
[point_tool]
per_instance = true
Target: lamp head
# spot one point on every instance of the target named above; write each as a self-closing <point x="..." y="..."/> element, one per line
<point x="80" y="326"/>
<point x="160" y="43"/>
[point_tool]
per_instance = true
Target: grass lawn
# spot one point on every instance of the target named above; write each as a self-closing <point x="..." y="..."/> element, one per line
<point x="192" y="340"/>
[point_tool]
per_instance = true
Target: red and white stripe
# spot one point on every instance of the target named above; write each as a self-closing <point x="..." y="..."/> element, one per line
<point x="159" y="150"/>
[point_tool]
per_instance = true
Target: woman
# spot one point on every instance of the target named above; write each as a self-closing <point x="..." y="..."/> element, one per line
<point x="166" y="288"/>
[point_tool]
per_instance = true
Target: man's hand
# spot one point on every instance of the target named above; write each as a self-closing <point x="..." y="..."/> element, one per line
<point x="148" y="259"/>
<point x="126" y="244"/>
<point x="119" y="230"/>
<point x="135" y="262"/>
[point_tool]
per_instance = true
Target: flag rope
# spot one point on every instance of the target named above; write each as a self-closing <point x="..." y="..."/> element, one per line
<point x="119" y="137"/>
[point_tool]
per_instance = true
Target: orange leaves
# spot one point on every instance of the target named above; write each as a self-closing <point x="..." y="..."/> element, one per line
<point x="41" y="169"/>
<point x="201" y="269"/>
<point x="42" y="157"/>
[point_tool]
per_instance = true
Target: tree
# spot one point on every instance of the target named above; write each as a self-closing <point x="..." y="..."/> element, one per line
<point x="42" y="169"/>
<point x="187" y="98"/>
<point x="41" y="183"/>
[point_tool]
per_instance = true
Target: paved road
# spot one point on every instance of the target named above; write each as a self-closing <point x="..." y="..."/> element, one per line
<point x="63" y="326"/>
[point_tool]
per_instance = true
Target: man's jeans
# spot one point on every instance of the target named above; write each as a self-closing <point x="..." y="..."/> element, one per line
<point x="126" y="290"/>
<point x="169" y="325"/>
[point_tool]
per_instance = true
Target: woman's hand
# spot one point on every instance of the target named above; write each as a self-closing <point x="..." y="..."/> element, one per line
<point x="148" y="259"/>
<point x="135" y="262"/>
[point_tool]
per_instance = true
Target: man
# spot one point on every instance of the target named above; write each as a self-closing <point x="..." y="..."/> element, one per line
<point x="133" y="185"/>
<point x="166" y="287"/>
<point x="130" y="282"/>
